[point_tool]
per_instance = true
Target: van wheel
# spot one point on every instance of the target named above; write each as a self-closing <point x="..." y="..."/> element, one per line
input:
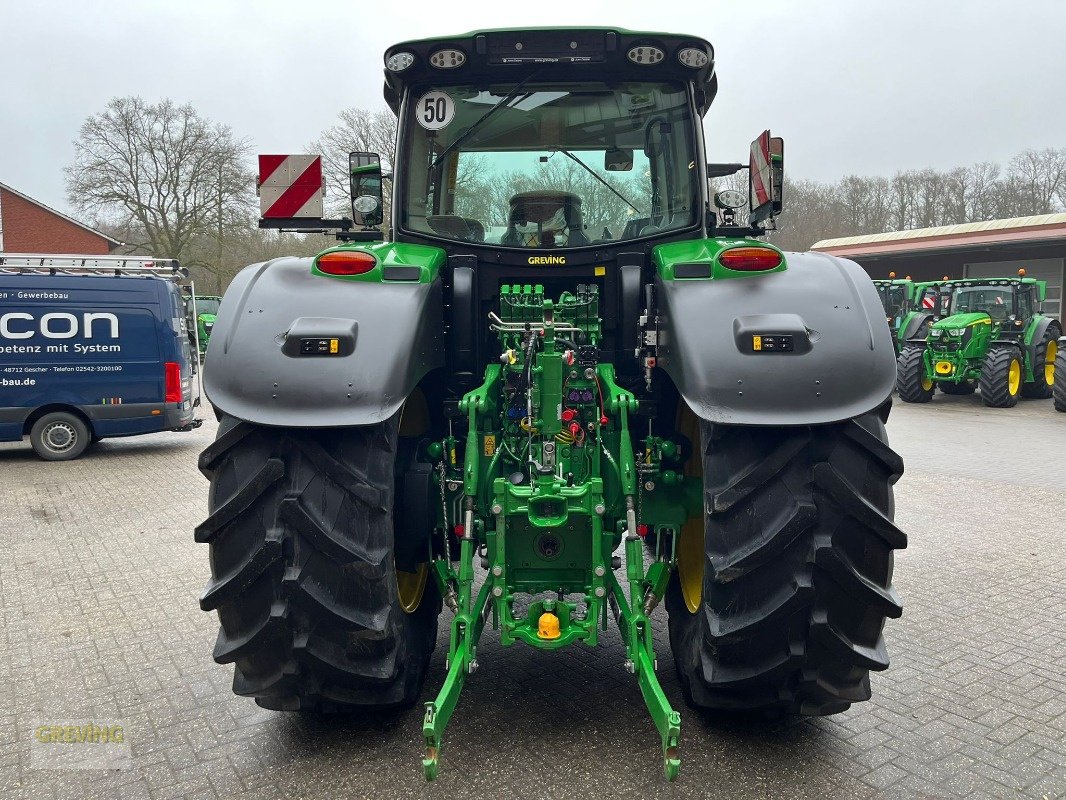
<point x="59" y="436"/>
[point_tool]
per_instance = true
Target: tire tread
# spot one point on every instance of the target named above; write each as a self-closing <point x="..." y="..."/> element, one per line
<point x="301" y="541"/>
<point x="793" y="614"/>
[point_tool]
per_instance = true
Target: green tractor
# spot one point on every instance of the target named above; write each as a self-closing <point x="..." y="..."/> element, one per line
<point x="206" y="313"/>
<point x="904" y="312"/>
<point x="987" y="334"/>
<point x="571" y="388"/>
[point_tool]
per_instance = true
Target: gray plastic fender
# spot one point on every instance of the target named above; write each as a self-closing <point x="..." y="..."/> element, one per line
<point x="842" y="364"/>
<point x="914" y="325"/>
<point x="389" y="337"/>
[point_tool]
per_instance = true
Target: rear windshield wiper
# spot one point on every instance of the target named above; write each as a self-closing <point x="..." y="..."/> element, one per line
<point x="506" y="100"/>
<point x="593" y="173"/>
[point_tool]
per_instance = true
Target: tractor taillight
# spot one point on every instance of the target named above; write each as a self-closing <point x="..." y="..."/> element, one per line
<point x="750" y="259"/>
<point x="172" y="382"/>
<point x="346" y="262"/>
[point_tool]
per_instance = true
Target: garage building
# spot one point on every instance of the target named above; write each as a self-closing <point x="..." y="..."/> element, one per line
<point x="997" y="248"/>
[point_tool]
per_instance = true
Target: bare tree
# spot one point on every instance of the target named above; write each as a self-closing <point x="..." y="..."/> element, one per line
<point x="163" y="172"/>
<point x="1038" y="178"/>
<point x="357" y="129"/>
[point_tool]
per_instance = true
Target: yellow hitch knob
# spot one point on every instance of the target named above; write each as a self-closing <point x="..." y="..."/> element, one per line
<point x="548" y="626"/>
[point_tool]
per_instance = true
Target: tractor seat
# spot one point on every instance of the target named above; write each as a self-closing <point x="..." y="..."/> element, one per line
<point x="455" y="227"/>
<point x="545" y="219"/>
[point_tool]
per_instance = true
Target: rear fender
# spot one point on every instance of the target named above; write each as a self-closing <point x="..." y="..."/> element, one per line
<point x="912" y="324"/>
<point x="842" y="365"/>
<point x="1033" y="337"/>
<point x="388" y="338"/>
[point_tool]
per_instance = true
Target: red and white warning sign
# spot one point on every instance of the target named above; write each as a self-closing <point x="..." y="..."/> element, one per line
<point x="290" y="186"/>
<point x="759" y="169"/>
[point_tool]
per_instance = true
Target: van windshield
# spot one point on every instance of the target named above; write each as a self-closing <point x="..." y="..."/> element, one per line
<point x="549" y="165"/>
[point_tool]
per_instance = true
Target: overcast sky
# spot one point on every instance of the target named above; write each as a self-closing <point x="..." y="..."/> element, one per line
<point x="854" y="86"/>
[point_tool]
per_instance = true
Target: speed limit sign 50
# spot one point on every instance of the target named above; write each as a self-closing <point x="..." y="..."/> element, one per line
<point x="435" y="110"/>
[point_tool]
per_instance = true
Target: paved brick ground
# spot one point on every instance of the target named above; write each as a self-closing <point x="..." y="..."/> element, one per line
<point x="99" y="579"/>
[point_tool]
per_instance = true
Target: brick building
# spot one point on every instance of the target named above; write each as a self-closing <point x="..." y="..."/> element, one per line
<point x="27" y="226"/>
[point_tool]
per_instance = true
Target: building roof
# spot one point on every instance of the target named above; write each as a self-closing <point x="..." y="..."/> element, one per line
<point x="1016" y="230"/>
<point x="50" y="210"/>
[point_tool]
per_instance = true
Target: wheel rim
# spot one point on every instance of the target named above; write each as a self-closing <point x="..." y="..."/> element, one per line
<point x="410" y="586"/>
<point x="59" y="437"/>
<point x="690" y="563"/>
<point x="927" y="383"/>
<point x="1049" y="362"/>
<point x="1014" y="376"/>
<point x="690" y="544"/>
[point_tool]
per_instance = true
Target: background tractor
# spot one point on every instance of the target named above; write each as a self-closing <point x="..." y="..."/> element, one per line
<point x="905" y="314"/>
<point x="567" y="390"/>
<point x="206" y="313"/>
<point x="987" y="334"/>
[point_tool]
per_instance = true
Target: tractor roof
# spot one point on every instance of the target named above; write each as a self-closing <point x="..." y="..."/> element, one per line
<point x="986" y="282"/>
<point x="561" y="54"/>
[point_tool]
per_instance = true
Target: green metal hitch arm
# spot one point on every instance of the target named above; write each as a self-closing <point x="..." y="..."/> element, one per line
<point x="466" y="631"/>
<point x="645" y="587"/>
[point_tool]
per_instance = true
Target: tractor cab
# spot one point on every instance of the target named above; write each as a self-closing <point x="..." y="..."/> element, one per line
<point x="1003" y="303"/>
<point x="895" y="296"/>
<point x="518" y="143"/>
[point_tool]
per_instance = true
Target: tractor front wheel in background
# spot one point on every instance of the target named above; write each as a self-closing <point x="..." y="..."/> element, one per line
<point x="1060" y="369"/>
<point x="314" y="613"/>
<point x="779" y="602"/>
<point x="1043" y="385"/>
<point x="1001" y="377"/>
<point x="963" y="387"/>
<point x="913" y="385"/>
<point x="60" y="436"/>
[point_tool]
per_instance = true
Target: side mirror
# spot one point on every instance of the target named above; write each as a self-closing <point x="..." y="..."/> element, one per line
<point x="766" y="177"/>
<point x="367" y="199"/>
<point x="618" y="160"/>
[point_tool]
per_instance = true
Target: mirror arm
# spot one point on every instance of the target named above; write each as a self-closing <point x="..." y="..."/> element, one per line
<point x="723" y="170"/>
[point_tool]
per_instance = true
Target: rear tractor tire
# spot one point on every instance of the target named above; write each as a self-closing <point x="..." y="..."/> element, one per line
<point x="314" y="614"/>
<point x="913" y="385"/>
<point x="1044" y="357"/>
<point x="1001" y="377"/>
<point x="779" y="603"/>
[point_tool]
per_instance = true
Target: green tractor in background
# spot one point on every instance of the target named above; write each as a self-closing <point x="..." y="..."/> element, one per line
<point x="987" y="334"/>
<point x="574" y="387"/>
<point x="206" y="313"/>
<point x="904" y="312"/>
